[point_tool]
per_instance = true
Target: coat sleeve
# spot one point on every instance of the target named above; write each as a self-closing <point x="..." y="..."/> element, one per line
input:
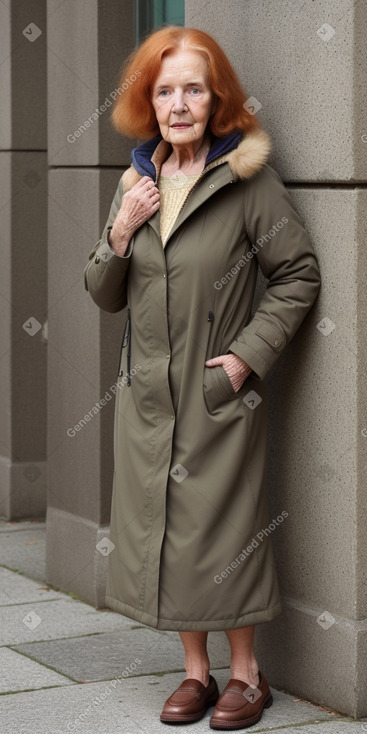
<point x="105" y="276"/>
<point x="286" y="258"/>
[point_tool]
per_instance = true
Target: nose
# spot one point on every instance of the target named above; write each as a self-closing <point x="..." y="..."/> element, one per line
<point x="179" y="104"/>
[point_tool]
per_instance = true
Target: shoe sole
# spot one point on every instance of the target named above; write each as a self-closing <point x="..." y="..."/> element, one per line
<point x="189" y="719"/>
<point x="232" y="725"/>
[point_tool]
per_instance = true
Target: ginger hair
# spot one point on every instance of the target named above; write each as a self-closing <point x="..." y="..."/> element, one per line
<point x="133" y="113"/>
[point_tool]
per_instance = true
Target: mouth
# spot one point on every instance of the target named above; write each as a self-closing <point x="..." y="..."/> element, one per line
<point x="181" y="125"/>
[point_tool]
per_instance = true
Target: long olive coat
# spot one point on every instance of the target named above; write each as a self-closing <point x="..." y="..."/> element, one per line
<point x="189" y="517"/>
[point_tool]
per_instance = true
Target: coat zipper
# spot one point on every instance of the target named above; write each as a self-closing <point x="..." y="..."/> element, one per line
<point x="210" y="319"/>
<point x="126" y="341"/>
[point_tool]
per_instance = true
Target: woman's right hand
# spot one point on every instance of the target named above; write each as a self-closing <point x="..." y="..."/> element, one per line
<point x="137" y="206"/>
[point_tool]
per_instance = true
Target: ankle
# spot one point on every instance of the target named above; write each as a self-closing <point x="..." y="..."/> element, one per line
<point x="198" y="673"/>
<point x="248" y="673"/>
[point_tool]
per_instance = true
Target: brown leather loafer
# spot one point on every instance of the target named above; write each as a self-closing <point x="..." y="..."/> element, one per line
<point x="240" y="705"/>
<point x="190" y="701"/>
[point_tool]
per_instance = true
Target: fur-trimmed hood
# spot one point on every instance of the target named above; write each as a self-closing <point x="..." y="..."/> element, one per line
<point x="245" y="155"/>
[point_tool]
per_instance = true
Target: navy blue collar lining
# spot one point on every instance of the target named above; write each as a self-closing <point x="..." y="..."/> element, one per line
<point x="141" y="156"/>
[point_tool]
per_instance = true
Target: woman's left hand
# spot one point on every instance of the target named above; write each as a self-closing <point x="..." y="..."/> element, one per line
<point x="235" y="367"/>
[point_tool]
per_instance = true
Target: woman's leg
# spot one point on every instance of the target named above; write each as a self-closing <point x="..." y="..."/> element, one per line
<point x="239" y="705"/>
<point x="190" y="701"/>
<point x="196" y="656"/>
<point x="244" y="665"/>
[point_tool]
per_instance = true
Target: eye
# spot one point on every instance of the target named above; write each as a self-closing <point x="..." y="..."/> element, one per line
<point x="163" y="93"/>
<point x="195" y="91"/>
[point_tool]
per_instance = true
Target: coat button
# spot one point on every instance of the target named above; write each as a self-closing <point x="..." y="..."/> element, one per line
<point x="211" y="186"/>
<point x="276" y="342"/>
<point x="97" y="259"/>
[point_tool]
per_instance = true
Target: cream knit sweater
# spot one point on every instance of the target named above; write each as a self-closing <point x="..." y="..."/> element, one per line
<point x="173" y="192"/>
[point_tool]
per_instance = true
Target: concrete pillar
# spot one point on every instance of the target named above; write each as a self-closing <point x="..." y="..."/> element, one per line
<point x="305" y="65"/>
<point x="23" y="289"/>
<point x="87" y="43"/>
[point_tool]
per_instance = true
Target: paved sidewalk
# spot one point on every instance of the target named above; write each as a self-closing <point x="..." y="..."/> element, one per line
<point x="68" y="667"/>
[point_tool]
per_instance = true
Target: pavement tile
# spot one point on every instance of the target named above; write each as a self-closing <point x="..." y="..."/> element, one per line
<point x="19" y="673"/>
<point x="133" y="706"/>
<point x="23" y="547"/>
<point x="99" y="657"/>
<point x="50" y="620"/>
<point x="349" y="726"/>
<point x="16" y="589"/>
<point x="104" y="656"/>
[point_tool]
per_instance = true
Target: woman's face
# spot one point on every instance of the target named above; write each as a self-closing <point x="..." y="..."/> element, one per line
<point x="182" y="98"/>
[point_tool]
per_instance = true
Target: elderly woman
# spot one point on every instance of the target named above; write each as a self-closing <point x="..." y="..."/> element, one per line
<point x="192" y="219"/>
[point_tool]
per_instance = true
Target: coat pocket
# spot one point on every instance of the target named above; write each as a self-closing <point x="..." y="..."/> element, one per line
<point x="218" y="388"/>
